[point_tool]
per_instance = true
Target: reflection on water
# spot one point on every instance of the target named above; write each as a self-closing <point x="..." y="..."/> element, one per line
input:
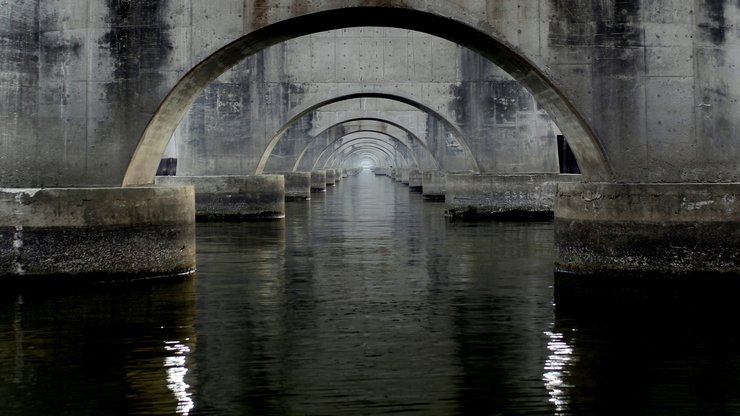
<point x="364" y="300"/>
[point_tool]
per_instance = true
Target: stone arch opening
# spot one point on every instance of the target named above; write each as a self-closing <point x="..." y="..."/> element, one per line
<point x="404" y="150"/>
<point x="588" y="150"/>
<point x="408" y="132"/>
<point x="366" y="91"/>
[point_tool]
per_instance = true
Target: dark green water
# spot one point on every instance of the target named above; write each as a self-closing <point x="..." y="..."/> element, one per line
<point x="364" y="301"/>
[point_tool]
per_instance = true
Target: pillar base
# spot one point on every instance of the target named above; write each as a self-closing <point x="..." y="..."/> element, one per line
<point x="502" y="197"/>
<point x="318" y="181"/>
<point x="415" y="180"/>
<point x="433" y="184"/>
<point x="229" y="198"/>
<point x="297" y="186"/>
<point x="97" y="234"/>
<point x="668" y="229"/>
<point x="330" y="180"/>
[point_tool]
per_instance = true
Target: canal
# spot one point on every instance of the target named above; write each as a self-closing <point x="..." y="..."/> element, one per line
<point x="365" y="300"/>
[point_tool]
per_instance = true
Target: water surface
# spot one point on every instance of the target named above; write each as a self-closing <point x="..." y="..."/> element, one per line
<point x="364" y="300"/>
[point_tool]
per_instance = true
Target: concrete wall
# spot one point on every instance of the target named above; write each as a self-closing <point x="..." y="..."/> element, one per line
<point x="652" y="83"/>
<point x="19" y="86"/>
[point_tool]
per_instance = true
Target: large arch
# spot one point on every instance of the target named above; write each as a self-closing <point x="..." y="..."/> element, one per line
<point x="366" y="91"/>
<point x="408" y="132"/>
<point x="405" y="151"/>
<point x="586" y="146"/>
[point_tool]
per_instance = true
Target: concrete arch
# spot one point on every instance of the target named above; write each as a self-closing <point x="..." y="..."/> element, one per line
<point x="408" y="132"/>
<point x="379" y="146"/>
<point x="366" y="91"/>
<point x="586" y="146"/>
<point x="405" y="151"/>
<point x="365" y="147"/>
<point x="359" y="154"/>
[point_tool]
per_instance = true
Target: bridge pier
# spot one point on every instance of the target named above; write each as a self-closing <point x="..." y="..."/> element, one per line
<point x="318" y="181"/>
<point x="433" y="184"/>
<point x="234" y="197"/>
<point x="330" y="180"/>
<point x="97" y="234"/>
<point x="526" y="196"/>
<point x="337" y="175"/>
<point x="677" y="229"/>
<point x="415" y="180"/>
<point x="297" y="186"/>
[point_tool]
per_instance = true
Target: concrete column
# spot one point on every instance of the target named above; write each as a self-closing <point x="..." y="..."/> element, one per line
<point x="380" y="171"/>
<point x="318" y="181"/>
<point x="405" y="176"/>
<point x="330" y="180"/>
<point x="96" y="234"/>
<point x="337" y="175"/>
<point x="297" y="186"/>
<point x="433" y="184"/>
<point x="344" y="173"/>
<point x="234" y="197"/>
<point x="415" y="180"/>
<point x="399" y="175"/>
<point x="527" y="196"/>
<point x="647" y="228"/>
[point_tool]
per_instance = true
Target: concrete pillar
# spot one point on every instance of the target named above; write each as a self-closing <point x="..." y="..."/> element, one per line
<point x="97" y="234"/>
<point x="344" y="173"/>
<point x="318" y="181"/>
<point x="526" y="196"/>
<point x="234" y="197"/>
<point x="337" y="175"/>
<point x="330" y="180"/>
<point x="405" y="176"/>
<point x="399" y="175"/>
<point x="380" y="171"/>
<point x="297" y="186"/>
<point x="433" y="184"/>
<point x="415" y="180"/>
<point x="678" y="229"/>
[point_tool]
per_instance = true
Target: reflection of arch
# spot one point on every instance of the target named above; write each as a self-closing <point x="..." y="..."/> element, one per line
<point x="391" y="94"/>
<point x="582" y="139"/>
<point x="402" y="148"/>
<point x="342" y="124"/>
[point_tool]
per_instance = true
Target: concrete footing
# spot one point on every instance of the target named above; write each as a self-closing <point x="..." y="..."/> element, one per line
<point x="297" y="186"/>
<point x="433" y="184"/>
<point x="505" y="197"/>
<point x="337" y="175"/>
<point x="675" y="229"/>
<point x="405" y="176"/>
<point x="98" y="234"/>
<point x="415" y="180"/>
<point x="380" y="171"/>
<point x="318" y="181"/>
<point x="234" y="197"/>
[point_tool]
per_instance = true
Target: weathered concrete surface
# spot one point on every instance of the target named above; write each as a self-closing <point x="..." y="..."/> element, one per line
<point x="297" y="185"/>
<point x="234" y="197"/>
<point x="99" y="234"/>
<point x="647" y="228"/>
<point x="318" y="181"/>
<point x="503" y="196"/>
<point x="415" y="180"/>
<point x="434" y="184"/>
<point x="380" y="171"/>
<point x="337" y="175"/>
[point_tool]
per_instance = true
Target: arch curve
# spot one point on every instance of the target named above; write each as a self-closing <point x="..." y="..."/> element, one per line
<point x="586" y="146"/>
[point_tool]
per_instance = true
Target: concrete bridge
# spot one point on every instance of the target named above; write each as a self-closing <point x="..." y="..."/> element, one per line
<point x="92" y="91"/>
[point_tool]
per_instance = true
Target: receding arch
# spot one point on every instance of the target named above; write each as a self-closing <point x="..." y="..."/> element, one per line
<point x="586" y="146"/>
<point x="408" y="132"/>
<point x="365" y="91"/>
<point x="388" y="152"/>
<point x="365" y="147"/>
<point x="404" y="150"/>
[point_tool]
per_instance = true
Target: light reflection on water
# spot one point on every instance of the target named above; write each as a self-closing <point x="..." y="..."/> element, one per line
<point x="364" y="300"/>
